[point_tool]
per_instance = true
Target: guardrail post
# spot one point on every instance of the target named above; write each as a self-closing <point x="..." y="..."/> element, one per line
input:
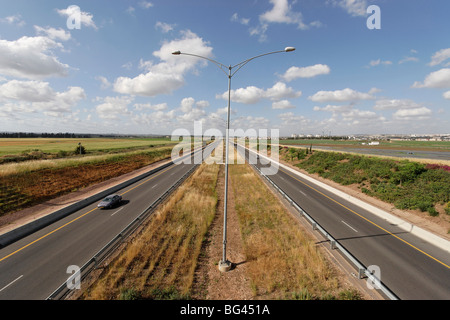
<point x="333" y="244"/>
<point x="361" y="273"/>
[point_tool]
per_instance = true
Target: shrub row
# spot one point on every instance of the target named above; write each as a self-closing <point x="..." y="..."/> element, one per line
<point x="406" y="184"/>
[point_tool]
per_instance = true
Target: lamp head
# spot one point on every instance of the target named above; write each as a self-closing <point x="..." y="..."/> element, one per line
<point x="176" y="53"/>
<point x="289" y="49"/>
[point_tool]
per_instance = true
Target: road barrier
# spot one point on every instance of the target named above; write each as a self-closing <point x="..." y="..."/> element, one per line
<point x="31" y="227"/>
<point x="63" y="290"/>
<point x="363" y="271"/>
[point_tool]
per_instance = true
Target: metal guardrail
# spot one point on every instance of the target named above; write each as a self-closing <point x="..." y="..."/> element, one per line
<point x="63" y="290"/>
<point x="362" y="270"/>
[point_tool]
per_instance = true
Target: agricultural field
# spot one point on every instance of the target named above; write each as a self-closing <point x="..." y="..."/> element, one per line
<point x="35" y="170"/>
<point x="392" y="144"/>
<point x="18" y="149"/>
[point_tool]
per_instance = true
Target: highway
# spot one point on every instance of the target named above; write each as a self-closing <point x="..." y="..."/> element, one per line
<point x="409" y="266"/>
<point x="33" y="267"/>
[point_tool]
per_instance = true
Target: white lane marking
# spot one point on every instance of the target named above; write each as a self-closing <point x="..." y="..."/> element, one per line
<point x="349" y="226"/>
<point x="154" y="186"/>
<point x="10" y="283"/>
<point x="117" y="211"/>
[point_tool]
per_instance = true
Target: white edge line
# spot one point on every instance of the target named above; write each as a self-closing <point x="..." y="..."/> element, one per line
<point x="117" y="211"/>
<point x="413" y="229"/>
<point x="10" y="283"/>
<point x="349" y="226"/>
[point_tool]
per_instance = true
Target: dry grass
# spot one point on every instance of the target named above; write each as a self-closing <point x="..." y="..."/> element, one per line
<point x="283" y="262"/>
<point x="160" y="262"/>
<point x="37" y="183"/>
<point x="35" y="165"/>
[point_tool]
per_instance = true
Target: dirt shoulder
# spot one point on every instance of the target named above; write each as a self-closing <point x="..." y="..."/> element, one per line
<point x="439" y="225"/>
<point x="22" y="217"/>
<point x="210" y="283"/>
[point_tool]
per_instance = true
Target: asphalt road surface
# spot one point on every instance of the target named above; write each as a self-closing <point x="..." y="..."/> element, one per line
<point x="409" y="266"/>
<point x="33" y="267"/>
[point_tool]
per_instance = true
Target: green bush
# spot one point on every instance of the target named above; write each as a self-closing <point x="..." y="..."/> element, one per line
<point x="406" y="184"/>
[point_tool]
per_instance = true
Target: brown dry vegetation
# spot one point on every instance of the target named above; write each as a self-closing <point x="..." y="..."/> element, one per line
<point x="160" y="263"/>
<point x="26" y="188"/>
<point x="164" y="260"/>
<point x="283" y="262"/>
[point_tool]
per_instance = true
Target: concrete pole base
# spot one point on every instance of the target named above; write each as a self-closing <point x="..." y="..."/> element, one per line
<point x="224" y="266"/>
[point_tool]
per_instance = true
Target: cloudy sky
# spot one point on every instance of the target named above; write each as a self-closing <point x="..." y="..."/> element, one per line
<point x="106" y="66"/>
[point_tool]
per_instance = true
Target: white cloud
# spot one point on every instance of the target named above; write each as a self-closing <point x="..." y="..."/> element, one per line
<point x="447" y="95"/>
<point x="252" y="94"/>
<point x="440" y="57"/>
<point x="37" y="96"/>
<point x="86" y="18"/>
<point x="357" y="115"/>
<point x="145" y="4"/>
<point x="154" y="118"/>
<point x="353" y="7"/>
<point x="187" y="104"/>
<point x="249" y="95"/>
<point x="378" y="62"/>
<point x="194" y="114"/>
<point x="280" y="91"/>
<point x="437" y="79"/>
<point x="202" y="104"/>
<point x="130" y="10"/>
<point x="408" y="59"/>
<point x="250" y="122"/>
<point x="305" y="72"/>
<point x="290" y="119"/>
<point x="14" y="20"/>
<point x="166" y="76"/>
<point x="412" y="114"/>
<point x="396" y="104"/>
<point x="165" y="27"/>
<point x="53" y="33"/>
<point x="30" y="58"/>
<point x="283" y="104"/>
<point x="104" y="82"/>
<point x="341" y="96"/>
<point x="112" y="108"/>
<point x="156" y="107"/>
<point x="236" y="18"/>
<point x="333" y="108"/>
<point x="281" y="12"/>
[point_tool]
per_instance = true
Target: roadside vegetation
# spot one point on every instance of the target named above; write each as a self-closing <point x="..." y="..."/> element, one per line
<point x="283" y="262"/>
<point x="29" y="183"/>
<point x="160" y="262"/>
<point x="405" y="184"/>
<point x="13" y="150"/>
<point x="341" y="142"/>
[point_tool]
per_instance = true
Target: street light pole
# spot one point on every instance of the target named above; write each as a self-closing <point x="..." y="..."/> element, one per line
<point x="224" y="264"/>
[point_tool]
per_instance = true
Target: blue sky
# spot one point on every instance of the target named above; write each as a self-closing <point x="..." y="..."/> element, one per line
<point x="114" y="72"/>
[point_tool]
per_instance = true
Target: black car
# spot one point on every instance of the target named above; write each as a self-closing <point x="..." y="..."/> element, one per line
<point x="110" y="201"/>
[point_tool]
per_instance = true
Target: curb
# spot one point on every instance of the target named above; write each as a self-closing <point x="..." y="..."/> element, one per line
<point x="407" y="226"/>
<point x="31" y="227"/>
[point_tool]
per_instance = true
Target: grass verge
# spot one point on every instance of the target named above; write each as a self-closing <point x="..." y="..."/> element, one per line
<point x="283" y="262"/>
<point x="405" y="184"/>
<point x="36" y="183"/>
<point x="160" y="262"/>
